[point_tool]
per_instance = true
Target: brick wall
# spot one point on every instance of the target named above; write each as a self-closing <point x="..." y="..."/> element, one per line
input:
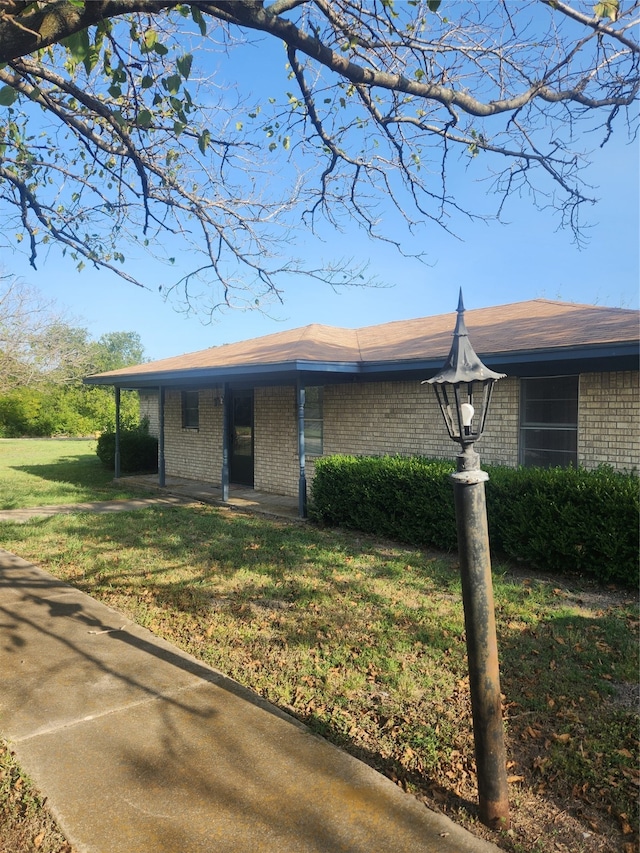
<point x="373" y="418"/>
<point x="393" y="418"/>
<point x="404" y="418"/>
<point x="195" y="454"/>
<point x="275" y="440"/>
<point x="609" y="420"/>
<point x="499" y="444"/>
<point x="149" y="410"/>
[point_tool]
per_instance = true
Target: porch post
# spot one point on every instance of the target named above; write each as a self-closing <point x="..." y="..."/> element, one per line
<point x="161" y="465"/>
<point x="117" y="448"/>
<point x="302" y="479"/>
<point x="224" y="476"/>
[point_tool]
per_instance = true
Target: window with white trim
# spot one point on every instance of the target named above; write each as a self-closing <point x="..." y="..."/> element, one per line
<point x="549" y="421"/>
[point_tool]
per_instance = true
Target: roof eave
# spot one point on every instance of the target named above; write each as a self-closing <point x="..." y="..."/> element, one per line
<point x="221" y="374"/>
<point x="611" y="356"/>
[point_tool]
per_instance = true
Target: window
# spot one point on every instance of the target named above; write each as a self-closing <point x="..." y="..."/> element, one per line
<point x="190" y="410"/>
<point x="549" y="421"/>
<point x="313" y="420"/>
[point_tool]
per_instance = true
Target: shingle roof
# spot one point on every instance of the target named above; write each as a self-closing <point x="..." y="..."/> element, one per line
<point x="535" y="325"/>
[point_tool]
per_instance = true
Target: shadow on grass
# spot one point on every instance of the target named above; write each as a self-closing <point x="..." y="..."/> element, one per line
<point x="83" y="470"/>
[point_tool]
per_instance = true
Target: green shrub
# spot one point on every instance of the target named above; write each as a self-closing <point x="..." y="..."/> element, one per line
<point x="138" y="450"/>
<point x="567" y="519"/>
<point x="558" y="519"/>
<point x="406" y="498"/>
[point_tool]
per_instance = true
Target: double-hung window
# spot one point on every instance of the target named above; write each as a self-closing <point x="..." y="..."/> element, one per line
<point x="549" y="421"/>
<point x="313" y="420"/>
<point x="190" y="410"/>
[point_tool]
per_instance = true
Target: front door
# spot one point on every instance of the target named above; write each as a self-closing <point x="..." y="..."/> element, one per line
<point x="241" y="438"/>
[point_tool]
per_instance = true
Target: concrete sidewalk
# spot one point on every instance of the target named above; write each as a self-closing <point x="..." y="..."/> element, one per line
<point x="19" y="516"/>
<point x="140" y="748"/>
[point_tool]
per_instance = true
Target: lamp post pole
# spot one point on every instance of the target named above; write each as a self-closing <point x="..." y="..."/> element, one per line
<point x="482" y="645"/>
<point x="463" y="388"/>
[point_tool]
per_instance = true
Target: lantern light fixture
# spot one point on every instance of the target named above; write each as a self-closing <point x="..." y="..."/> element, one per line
<point x="464" y="386"/>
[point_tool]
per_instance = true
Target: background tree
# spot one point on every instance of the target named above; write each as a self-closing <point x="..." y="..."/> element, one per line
<point x="117" y="349"/>
<point x="44" y="356"/>
<point x="39" y="343"/>
<point x="110" y="134"/>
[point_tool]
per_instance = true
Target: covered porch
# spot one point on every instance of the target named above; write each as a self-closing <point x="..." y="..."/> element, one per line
<point x="241" y="498"/>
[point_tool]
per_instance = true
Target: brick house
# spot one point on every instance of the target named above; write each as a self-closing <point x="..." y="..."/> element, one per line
<point x="260" y="412"/>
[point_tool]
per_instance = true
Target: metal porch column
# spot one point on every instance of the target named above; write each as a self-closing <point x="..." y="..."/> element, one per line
<point x="117" y="448"/>
<point x="302" y="479"/>
<point x="161" y="463"/>
<point x="224" y="476"/>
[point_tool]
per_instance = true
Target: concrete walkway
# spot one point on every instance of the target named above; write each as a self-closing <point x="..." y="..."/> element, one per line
<point x="19" y="516"/>
<point x="140" y="748"/>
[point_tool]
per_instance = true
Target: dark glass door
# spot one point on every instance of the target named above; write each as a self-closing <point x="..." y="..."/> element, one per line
<point x="241" y="438"/>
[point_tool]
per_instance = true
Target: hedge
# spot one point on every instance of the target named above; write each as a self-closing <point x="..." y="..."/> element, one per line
<point x="558" y="519"/>
<point x="138" y="450"/>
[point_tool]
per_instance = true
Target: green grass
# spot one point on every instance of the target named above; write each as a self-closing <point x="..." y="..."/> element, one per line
<point x="364" y="641"/>
<point x="41" y="472"/>
<point x="25" y="825"/>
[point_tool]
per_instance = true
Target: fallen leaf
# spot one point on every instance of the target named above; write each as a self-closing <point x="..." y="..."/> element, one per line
<point x="512" y="779"/>
<point x="563" y="738"/>
<point x="37" y="841"/>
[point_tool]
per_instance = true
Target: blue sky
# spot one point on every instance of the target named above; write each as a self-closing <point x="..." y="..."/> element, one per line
<point x="494" y="263"/>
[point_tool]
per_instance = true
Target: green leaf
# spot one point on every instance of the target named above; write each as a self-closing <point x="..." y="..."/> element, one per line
<point x="115" y="91"/>
<point x="150" y="38"/>
<point x="91" y="59"/>
<point x="7" y="96"/>
<point x="433" y="5"/>
<point x="144" y="118"/>
<point x="607" y="9"/>
<point x="172" y="84"/>
<point x="77" y="45"/>
<point x="196" y="14"/>
<point x="184" y="65"/>
<point x="239" y="125"/>
<point x="286" y="143"/>
<point x="146" y="82"/>
<point x="204" y="140"/>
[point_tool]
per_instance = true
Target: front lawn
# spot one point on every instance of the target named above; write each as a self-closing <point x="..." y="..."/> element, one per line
<point x="41" y="472"/>
<point x="364" y="641"/>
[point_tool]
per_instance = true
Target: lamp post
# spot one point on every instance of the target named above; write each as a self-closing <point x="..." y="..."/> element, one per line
<point x="463" y="388"/>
